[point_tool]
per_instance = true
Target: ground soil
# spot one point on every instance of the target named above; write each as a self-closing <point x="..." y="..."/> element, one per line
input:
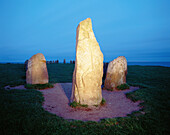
<point x="57" y="101"/>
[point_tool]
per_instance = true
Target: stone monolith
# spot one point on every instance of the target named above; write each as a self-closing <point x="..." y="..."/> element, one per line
<point x="88" y="71"/>
<point x="37" y="70"/>
<point x="116" y="73"/>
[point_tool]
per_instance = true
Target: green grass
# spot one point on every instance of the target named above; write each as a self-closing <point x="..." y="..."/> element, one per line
<point x="108" y="89"/>
<point x="21" y="111"/>
<point x="123" y="86"/>
<point x="103" y="101"/>
<point x="60" y="73"/>
<point x="75" y="104"/>
<point x="12" y="74"/>
<point x="39" y="86"/>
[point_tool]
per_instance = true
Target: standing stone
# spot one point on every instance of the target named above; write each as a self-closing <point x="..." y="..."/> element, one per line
<point x="116" y="73"/>
<point x="88" y="71"/>
<point x="37" y="70"/>
<point x="64" y="61"/>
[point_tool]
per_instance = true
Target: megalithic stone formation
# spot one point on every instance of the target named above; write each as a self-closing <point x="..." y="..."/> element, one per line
<point x="116" y="73"/>
<point x="37" y="70"/>
<point x="88" y="71"/>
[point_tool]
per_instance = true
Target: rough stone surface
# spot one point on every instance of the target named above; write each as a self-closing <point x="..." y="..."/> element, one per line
<point x="37" y="70"/>
<point x="88" y="71"/>
<point x="116" y="73"/>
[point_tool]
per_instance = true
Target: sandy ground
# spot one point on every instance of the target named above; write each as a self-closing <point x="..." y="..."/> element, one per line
<point x="57" y="102"/>
<point x="20" y="87"/>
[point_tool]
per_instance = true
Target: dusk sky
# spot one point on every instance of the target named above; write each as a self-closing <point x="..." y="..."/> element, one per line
<point x="136" y="29"/>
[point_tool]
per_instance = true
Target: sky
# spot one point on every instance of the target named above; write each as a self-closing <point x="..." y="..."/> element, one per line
<point x="136" y="29"/>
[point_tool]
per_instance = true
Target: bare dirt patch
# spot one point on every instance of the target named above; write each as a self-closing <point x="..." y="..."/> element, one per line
<point x="57" y="101"/>
<point x="20" y="87"/>
<point x="117" y="105"/>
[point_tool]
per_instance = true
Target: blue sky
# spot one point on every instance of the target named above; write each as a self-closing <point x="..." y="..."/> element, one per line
<point x="136" y="29"/>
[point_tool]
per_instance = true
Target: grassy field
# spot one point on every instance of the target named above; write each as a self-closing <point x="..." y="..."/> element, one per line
<point x="21" y="111"/>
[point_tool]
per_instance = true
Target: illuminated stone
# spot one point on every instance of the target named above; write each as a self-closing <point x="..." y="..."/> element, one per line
<point x="37" y="70"/>
<point x="116" y="73"/>
<point x="88" y="71"/>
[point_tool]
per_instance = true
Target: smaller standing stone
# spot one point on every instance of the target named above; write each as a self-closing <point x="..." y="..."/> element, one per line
<point x="116" y="73"/>
<point x="37" y="70"/>
<point x="64" y="61"/>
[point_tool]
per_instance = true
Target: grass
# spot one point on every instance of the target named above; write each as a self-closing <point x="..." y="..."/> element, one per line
<point x="108" y="89"/>
<point x="39" y="86"/>
<point x="75" y="104"/>
<point x="103" y="101"/>
<point x="123" y="86"/>
<point x="21" y="111"/>
<point x="12" y="74"/>
<point x="120" y="87"/>
<point x="60" y="73"/>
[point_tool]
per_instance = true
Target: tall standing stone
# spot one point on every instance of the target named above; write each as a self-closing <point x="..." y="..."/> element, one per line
<point x="37" y="70"/>
<point x="116" y="73"/>
<point x="88" y="71"/>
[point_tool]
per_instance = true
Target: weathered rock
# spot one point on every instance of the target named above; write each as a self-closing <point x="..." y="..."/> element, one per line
<point x="88" y="71"/>
<point x="37" y="70"/>
<point x="116" y="73"/>
<point x="56" y="61"/>
<point x="64" y="61"/>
